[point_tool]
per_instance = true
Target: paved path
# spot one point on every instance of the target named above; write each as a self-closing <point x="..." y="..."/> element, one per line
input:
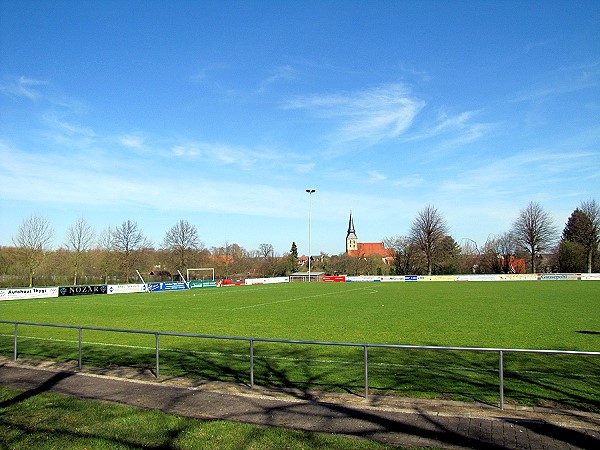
<point x="386" y="419"/>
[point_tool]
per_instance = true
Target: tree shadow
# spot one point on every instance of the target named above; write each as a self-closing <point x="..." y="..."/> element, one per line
<point x="44" y="387"/>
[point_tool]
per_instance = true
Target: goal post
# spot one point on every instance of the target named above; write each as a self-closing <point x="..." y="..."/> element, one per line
<point x="201" y="273"/>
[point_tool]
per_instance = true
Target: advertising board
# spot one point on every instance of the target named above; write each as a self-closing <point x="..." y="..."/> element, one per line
<point x="27" y="293"/>
<point x="334" y="279"/>
<point x="272" y="280"/>
<point x="67" y="291"/>
<point x="126" y="288"/>
<point x="590" y="276"/>
<point x="167" y="286"/>
<point x="394" y="278"/>
<point x="437" y="278"/>
<point x="558" y="276"/>
<point x="202" y="284"/>
<point x="364" y="278"/>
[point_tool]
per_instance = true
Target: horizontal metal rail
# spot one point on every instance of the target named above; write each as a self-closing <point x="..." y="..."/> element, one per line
<point x="253" y="340"/>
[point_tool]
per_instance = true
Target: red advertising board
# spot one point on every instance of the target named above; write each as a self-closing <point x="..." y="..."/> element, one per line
<point x="335" y="279"/>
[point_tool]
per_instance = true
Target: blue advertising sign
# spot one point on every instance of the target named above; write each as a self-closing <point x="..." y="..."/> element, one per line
<point x="167" y="286"/>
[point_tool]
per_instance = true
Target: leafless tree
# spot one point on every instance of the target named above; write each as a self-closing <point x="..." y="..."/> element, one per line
<point x="534" y="231"/>
<point x="497" y="253"/>
<point x="33" y="235"/>
<point x="105" y="247"/>
<point x="428" y="232"/>
<point x="127" y="239"/>
<point x="266" y="250"/>
<point x="182" y="239"/>
<point x="78" y="240"/>
<point x="591" y="208"/>
<point x="405" y="254"/>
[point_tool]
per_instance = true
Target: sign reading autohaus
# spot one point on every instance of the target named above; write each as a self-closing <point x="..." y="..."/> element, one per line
<point x="66" y="291"/>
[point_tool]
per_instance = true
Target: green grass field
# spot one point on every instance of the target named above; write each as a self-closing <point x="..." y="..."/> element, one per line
<point x="535" y="315"/>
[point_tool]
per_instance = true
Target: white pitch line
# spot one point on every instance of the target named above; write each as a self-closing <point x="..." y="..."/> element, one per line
<point x="297" y="298"/>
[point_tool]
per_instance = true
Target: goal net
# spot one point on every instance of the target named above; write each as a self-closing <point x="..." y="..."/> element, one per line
<point x="201" y="274"/>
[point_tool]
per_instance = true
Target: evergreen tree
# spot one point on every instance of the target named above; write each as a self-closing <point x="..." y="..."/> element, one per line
<point x="294" y="251"/>
<point x="579" y="230"/>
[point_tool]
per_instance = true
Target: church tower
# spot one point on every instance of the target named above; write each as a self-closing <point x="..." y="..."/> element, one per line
<point x="351" y="239"/>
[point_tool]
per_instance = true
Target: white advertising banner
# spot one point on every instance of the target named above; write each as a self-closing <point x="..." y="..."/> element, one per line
<point x="251" y="281"/>
<point x="363" y="278"/>
<point x="27" y="293"/>
<point x="590" y="276"/>
<point x="126" y="288"/>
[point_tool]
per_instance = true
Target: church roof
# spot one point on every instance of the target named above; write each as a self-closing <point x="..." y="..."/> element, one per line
<point x="366" y="249"/>
<point x="351" y="233"/>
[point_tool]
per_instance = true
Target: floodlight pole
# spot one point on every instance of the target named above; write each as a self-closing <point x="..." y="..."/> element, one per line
<point x="310" y="192"/>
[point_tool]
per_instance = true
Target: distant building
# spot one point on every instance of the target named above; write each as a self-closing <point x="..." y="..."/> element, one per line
<point x="365" y="249"/>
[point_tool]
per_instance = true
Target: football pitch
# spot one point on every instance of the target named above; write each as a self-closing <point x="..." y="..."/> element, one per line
<point x="559" y="315"/>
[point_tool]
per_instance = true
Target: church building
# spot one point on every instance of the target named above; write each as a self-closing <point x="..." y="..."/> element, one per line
<point x="364" y="249"/>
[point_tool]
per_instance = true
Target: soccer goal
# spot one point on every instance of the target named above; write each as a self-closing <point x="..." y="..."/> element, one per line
<point x="201" y="274"/>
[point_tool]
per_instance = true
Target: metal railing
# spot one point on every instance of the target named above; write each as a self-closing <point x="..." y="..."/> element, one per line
<point x="251" y="341"/>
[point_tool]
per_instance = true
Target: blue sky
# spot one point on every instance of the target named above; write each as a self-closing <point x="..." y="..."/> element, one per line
<point x="223" y="113"/>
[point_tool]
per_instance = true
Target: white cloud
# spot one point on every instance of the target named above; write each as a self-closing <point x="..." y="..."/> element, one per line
<point x="22" y="87"/>
<point x="374" y="176"/>
<point x="242" y="157"/>
<point x="132" y="141"/>
<point x="368" y="116"/>
<point x="409" y="181"/>
<point x="453" y="130"/>
<point x="281" y="73"/>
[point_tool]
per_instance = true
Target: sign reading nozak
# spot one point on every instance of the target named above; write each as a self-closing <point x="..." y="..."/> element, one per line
<point x="66" y="291"/>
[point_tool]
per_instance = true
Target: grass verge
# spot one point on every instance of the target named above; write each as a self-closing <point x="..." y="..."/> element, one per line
<point x="51" y="421"/>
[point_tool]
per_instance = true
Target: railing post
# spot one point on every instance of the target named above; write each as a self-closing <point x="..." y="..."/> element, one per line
<point x="252" y="363"/>
<point x="501" y="370"/>
<point x="80" y="331"/>
<point x="157" y="363"/>
<point x="15" y="343"/>
<point x="366" y="356"/>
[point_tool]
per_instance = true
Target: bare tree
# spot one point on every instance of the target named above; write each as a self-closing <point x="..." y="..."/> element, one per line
<point x="428" y="232"/>
<point x="33" y="235"/>
<point x="127" y="239"/>
<point x="591" y="208"/>
<point x="182" y="239"/>
<point x="534" y="231"/>
<point x="78" y="240"/>
<point x="105" y="247"/>
<point x="405" y="254"/>
<point x="266" y="250"/>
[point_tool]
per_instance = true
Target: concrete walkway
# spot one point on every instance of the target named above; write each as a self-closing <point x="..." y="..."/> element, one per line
<point x="403" y="422"/>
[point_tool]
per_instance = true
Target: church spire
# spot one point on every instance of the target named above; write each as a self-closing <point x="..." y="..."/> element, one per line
<point x="351" y="239"/>
<point x="351" y="232"/>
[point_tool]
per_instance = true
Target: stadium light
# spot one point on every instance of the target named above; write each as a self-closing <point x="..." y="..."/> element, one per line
<point x="310" y="192"/>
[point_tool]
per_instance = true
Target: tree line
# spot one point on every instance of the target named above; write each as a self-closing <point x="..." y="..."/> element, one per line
<point x="115" y="254"/>
<point x="531" y="245"/>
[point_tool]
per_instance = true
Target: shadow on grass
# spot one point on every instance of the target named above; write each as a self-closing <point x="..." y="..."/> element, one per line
<point x="44" y="387"/>
<point x="297" y="369"/>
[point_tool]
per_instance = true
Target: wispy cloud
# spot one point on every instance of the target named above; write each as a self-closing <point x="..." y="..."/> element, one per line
<point x="453" y="130"/>
<point x="375" y="176"/>
<point x="122" y="185"/>
<point x="409" y="181"/>
<point x="281" y="73"/>
<point x="525" y="173"/>
<point x="368" y="116"/>
<point x="242" y="157"/>
<point x="132" y="141"/>
<point x="562" y="81"/>
<point x="22" y="87"/>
